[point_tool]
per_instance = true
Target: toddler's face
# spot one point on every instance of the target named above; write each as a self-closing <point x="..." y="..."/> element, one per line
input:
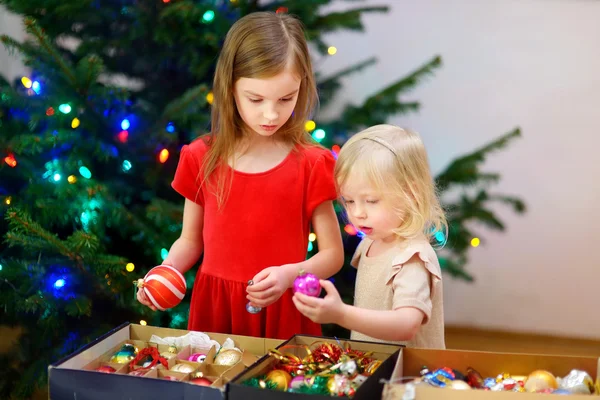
<point x="265" y="105"/>
<point x="369" y="210"/>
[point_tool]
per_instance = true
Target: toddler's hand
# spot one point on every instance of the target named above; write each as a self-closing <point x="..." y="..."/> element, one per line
<point x="269" y="285"/>
<point x="142" y="298"/>
<point x="323" y="311"/>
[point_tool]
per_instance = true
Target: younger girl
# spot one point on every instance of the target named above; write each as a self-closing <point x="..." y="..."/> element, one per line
<point x="255" y="186"/>
<point x="389" y="195"/>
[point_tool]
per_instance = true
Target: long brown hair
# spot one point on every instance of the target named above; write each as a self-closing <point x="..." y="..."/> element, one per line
<point x="259" y="45"/>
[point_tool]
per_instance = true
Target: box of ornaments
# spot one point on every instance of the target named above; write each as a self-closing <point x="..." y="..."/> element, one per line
<point x="312" y="368"/>
<point x="422" y="374"/>
<point x="145" y="362"/>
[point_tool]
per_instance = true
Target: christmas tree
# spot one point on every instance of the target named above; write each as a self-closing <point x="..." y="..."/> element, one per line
<point x="90" y="138"/>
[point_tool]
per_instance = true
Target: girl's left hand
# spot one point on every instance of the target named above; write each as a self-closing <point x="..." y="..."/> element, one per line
<point x="323" y="311"/>
<point x="269" y="285"/>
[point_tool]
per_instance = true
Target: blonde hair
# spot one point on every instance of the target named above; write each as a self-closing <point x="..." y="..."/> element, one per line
<point x="259" y="45"/>
<point x="394" y="160"/>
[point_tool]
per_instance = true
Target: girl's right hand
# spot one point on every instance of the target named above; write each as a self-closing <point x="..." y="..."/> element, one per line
<point x="142" y="298"/>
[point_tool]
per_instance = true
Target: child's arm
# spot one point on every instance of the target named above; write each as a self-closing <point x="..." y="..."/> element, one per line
<point x="395" y="325"/>
<point x="270" y="283"/>
<point x="186" y="250"/>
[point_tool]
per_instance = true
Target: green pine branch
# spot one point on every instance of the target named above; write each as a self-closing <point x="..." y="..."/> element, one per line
<point x="330" y="85"/>
<point x="465" y="170"/>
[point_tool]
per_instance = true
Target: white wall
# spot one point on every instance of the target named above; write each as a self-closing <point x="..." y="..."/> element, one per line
<point x="10" y="64"/>
<point x="532" y="63"/>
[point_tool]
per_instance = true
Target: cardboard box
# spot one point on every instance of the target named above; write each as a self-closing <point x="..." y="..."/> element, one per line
<point x="74" y="377"/>
<point x="411" y="361"/>
<point x="370" y="389"/>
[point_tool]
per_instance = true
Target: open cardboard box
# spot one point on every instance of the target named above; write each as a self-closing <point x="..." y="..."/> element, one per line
<point x="74" y="377"/>
<point x="411" y="361"/>
<point x="370" y="388"/>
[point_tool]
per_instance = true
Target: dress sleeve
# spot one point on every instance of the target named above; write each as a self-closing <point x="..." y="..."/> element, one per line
<point x="187" y="180"/>
<point x="321" y="184"/>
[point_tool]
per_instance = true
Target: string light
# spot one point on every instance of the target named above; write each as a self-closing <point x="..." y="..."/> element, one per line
<point x="59" y="283"/>
<point x="142" y="322"/>
<point x="126" y="165"/>
<point x="1" y="267"/>
<point x="85" y="172"/>
<point x="26" y="82"/>
<point x="475" y="242"/>
<point x="130" y="267"/>
<point x="56" y="177"/>
<point x="64" y="108"/>
<point x="310" y="246"/>
<point x="10" y="160"/>
<point x="164" y="253"/>
<point x="125" y="124"/>
<point x="331" y="50"/>
<point x="163" y="156"/>
<point x="122" y="136"/>
<point x="50" y="111"/>
<point x="8" y="200"/>
<point x="440" y="237"/>
<point x="36" y="87"/>
<point x="312" y="237"/>
<point x="166" y="1"/>
<point x="210" y="97"/>
<point x="208" y="16"/>
<point x="75" y="123"/>
<point x="309" y="125"/>
<point x="318" y="135"/>
<point x="336" y="149"/>
<point x="350" y="229"/>
<point x="281" y="10"/>
<point x="170" y="127"/>
<point x="72" y="179"/>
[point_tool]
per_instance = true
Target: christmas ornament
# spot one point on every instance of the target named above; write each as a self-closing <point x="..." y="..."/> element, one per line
<point x="106" y="369"/>
<point x="249" y="307"/>
<point x="170" y="378"/>
<point x="139" y="372"/>
<point x="200" y="381"/>
<point x="185" y="368"/>
<point x="148" y="358"/>
<point x="125" y="354"/>
<point x="171" y="352"/>
<point x="228" y="357"/>
<point x="460" y="385"/>
<point x="164" y="286"/>
<point x="197" y="357"/>
<point x="280" y="378"/>
<point x="540" y="380"/>
<point x="297" y="381"/>
<point x="307" y="284"/>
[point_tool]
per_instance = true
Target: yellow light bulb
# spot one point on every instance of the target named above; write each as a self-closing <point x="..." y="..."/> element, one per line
<point x="142" y="322"/>
<point x="130" y="267"/>
<point x="75" y="123"/>
<point x="72" y="179"/>
<point x="210" y="97"/>
<point x="475" y="242"/>
<point x="310" y="125"/>
<point x="8" y="200"/>
<point x="312" y="237"/>
<point x="26" y="82"/>
<point x="331" y="50"/>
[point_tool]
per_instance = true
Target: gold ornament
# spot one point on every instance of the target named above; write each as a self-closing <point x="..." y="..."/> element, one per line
<point x="373" y="365"/>
<point x="540" y="380"/>
<point x="459" y="385"/>
<point x="185" y="368"/>
<point x="280" y="378"/>
<point x="172" y="351"/>
<point x="228" y="357"/>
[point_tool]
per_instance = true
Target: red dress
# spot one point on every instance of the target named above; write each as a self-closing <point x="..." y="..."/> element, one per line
<point x="265" y="222"/>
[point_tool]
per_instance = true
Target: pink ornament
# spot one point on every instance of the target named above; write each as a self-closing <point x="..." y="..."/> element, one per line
<point x="297" y="381"/>
<point x="197" y="357"/>
<point x="307" y="284"/>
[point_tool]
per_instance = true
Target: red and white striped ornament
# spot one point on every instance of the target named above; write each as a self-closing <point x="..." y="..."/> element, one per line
<point x="164" y="285"/>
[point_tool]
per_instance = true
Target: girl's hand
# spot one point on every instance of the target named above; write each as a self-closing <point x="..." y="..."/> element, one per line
<point x="142" y="298"/>
<point x="323" y="311"/>
<point x="269" y="285"/>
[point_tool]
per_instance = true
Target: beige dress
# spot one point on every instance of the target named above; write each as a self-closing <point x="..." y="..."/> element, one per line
<point x="407" y="275"/>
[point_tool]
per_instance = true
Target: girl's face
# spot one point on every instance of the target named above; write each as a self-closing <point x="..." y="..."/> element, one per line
<point x="265" y="105"/>
<point x="369" y="210"/>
